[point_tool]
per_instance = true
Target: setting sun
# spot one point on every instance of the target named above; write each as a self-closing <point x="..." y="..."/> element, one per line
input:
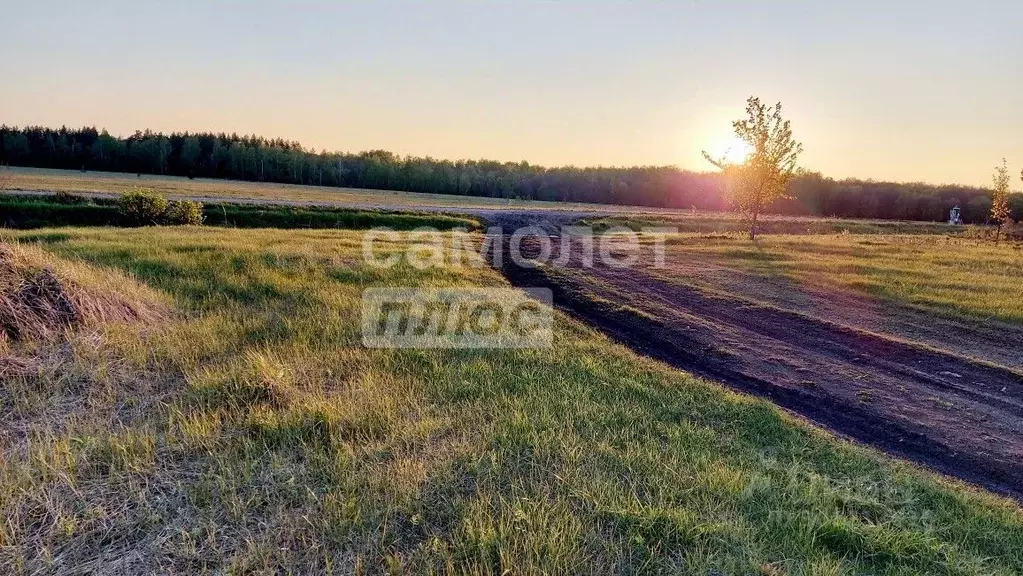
<point x="737" y="150"/>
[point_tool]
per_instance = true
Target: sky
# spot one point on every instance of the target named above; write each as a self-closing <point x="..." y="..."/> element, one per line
<point x="901" y="90"/>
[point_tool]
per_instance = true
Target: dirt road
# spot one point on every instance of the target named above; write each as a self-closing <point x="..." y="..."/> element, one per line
<point x="958" y="415"/>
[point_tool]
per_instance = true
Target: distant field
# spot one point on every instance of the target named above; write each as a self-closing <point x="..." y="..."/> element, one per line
<point x="601" y="216"/>
<point x="250" y="432"/>
<point x="39" y="179"/>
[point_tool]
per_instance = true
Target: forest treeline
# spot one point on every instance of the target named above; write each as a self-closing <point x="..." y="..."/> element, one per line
<point x="208" y="155"/>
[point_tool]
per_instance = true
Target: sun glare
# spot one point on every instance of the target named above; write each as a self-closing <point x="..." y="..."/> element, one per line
<point x="736" y="150"/>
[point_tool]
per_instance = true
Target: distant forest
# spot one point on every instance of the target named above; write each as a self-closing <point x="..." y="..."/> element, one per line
<point x="206" y="155"/>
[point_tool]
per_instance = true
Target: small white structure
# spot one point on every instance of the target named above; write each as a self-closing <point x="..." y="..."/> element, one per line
<point x="954" y="217"/>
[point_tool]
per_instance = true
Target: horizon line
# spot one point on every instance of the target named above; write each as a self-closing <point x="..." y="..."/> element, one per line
<point x="312" y="150"/>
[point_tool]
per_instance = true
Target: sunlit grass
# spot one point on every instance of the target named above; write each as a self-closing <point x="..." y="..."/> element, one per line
<point x="270" y="441"/>
<point x="941" y="274"/>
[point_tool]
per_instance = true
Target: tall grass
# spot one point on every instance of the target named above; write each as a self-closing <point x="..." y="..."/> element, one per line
<point x="254" y="434"/>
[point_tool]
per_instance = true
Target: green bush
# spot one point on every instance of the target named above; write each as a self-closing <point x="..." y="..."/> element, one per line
<point x="184" y="213"/>
<point x="142" y="207"/>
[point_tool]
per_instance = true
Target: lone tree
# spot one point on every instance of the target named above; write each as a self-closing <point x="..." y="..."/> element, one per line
<point x="763" y="177"/>
<point x="1000" y="198"/>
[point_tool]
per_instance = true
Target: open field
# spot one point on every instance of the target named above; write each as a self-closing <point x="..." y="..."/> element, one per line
<point x="910" y="343"/>
<point x="968" y="279"/>
<point x="46" y="180"/>
<point x="248" y="431"/>
<point x="510" y="214"/>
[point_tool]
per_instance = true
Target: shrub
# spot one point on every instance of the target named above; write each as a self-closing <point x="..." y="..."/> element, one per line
<point x="146" y="207"/>
<point x="184" y="213"/>
<point x="142" y="207"/>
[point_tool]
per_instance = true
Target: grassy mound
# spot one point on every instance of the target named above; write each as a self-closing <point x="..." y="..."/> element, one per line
<point x="43" y="301"/>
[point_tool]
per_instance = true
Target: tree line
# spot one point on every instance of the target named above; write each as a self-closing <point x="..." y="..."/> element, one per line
<point x="254" y="158"/>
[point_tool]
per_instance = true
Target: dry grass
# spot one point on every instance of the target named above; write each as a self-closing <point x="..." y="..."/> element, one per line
<point x="56" y="318"/>
<point x="43" y="300"/>
<point x="72" y="366"/>
<point x="37" y="305"/>
<point x="41" y="179"/>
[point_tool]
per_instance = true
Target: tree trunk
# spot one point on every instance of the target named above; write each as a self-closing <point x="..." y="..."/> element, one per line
<point x="753" y="226"/>
<point x="998" y="232"/>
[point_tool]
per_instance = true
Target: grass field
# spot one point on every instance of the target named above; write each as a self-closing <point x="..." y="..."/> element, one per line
<point x="944" y="275"/>
<point x="40" y="179"/>
<point x="600" y="216"/>
<point x="249" y="432"/>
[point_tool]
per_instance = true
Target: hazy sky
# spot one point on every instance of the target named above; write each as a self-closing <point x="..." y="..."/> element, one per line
<point x="899" y="89"/>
